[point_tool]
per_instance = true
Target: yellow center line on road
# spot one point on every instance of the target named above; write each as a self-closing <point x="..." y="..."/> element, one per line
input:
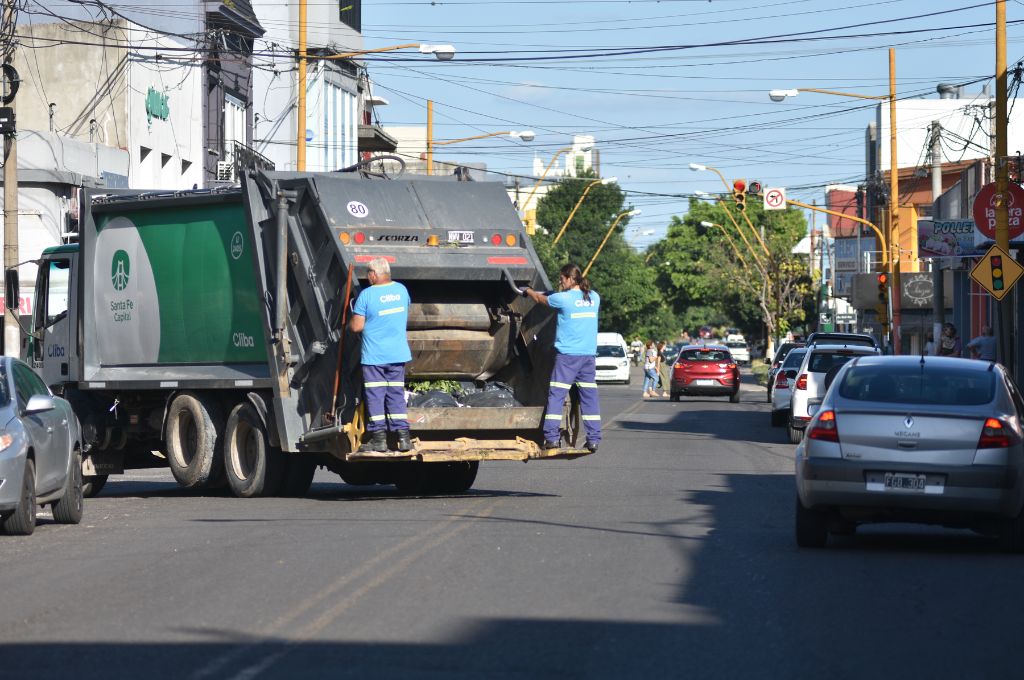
<point x="215" y="667"/>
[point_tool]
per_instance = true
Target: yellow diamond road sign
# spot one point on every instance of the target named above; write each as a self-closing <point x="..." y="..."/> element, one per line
<point x="996" y="272"/>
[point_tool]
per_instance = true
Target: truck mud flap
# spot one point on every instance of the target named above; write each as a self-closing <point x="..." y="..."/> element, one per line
<point x="466" y="449"/>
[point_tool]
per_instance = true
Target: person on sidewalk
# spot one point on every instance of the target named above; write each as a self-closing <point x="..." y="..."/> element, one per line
<point x="662" y="361"/>
<point x="949" y="342"/>
<point x="650" y="370"/>
<point x="575" y="351"/>
<point x="984" y="346"/>
<point x="381" y="314"/>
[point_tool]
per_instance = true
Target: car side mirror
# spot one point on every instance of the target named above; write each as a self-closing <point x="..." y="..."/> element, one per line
<point x="12" y="289"/>
<point x="39" y="403"/>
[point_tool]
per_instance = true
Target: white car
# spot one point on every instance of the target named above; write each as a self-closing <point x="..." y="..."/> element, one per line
<point x="782" y="388"/>
<point x="739" y="351"/>
<point x="809" y="389"/>
<point x="612" y="360"/>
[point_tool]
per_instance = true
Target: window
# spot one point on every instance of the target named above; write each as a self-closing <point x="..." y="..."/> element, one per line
<point x="234" y="126"/>
<point x="611" y="351"/>
<point x="5" y="395"/>
<point x="57" y="291"/>
<point x="794" y="359"/>
<point x="350" y="13"/>
<point x="821" y="362"/>
<point x="704" y="355"/>
<point x="914" y="385"/>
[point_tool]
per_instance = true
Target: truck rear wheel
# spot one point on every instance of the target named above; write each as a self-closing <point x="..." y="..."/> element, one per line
<point x="298" y="476"/>
<point x="253" y="466"/>
<point x="437" y="478"/>
<point x="194" y="428"/>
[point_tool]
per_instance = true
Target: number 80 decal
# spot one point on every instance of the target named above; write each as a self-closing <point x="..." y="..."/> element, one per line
<point x="357" y="209"/>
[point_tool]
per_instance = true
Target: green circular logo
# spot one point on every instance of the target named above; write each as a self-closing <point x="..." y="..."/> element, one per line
<point x="120" y="268"/>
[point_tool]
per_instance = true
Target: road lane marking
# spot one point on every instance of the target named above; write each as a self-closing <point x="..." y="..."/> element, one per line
<point x="215" y="666"/>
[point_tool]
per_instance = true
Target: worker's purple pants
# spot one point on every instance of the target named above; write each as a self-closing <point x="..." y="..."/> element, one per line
<point x="385" y="397"/>
<point x="569" y="369"/>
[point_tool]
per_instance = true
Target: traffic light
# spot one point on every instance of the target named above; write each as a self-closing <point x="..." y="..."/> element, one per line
<point x="739" y="193"/>
<point x="996" y="261"/>
<point x="754" y="188"/>
<point x="882" y="308"/>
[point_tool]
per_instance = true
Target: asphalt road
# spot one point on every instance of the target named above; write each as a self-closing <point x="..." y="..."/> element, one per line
<point x="669" y="553"/>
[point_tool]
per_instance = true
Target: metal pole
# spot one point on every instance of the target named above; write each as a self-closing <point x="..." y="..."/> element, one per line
<point x="894" y="210"/>
<point x="430" y="137"/>
<point x="938" y="287"/>
<point x="12" y="330"/>
<point x="300" y="114"/>
<point x="1002" y="181"/>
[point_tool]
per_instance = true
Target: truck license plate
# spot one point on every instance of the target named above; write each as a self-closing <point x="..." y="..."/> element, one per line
<point x="460" y="237"/>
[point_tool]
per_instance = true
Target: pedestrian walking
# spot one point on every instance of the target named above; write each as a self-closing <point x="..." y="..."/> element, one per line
<point x="575" y="348"/>
<point x="381" y="314"/>
<point x="949" y="342"/>
<point x="984" y="346"/>
<point x="662" y="360"/>
<point x="650" y="370"/>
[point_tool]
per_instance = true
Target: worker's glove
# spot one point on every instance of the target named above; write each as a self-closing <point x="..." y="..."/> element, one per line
<point x="525" y="291"/>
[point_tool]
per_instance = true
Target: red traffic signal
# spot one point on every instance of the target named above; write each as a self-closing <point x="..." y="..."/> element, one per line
<point x="739" y="186"/>
<point x="883" y="279"/>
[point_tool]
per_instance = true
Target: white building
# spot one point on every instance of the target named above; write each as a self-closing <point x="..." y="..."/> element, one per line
<point x="333" y="106"/>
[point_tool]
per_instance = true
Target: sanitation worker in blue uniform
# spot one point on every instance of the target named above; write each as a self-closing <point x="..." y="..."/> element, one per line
<point x="381" y="313"/>
<point x="575" y="346"/>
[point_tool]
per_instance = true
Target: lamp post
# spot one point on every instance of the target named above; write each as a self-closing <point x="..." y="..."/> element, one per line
<point x="525" y="135"/>
<point x="762" y="266"/>
<point x="615" y="223"/>
<point x="526" y="203"/>
<point x="441" y="52"/>
<point x="700" y="167"/>
<point x="894" y="186"/>
<point x="708" y="225"/>
<point x="607" y="180"/>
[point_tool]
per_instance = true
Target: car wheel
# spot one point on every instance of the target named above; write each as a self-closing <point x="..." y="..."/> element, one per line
<point x="811" y="527"/>
<point x="796" y="435"/>
<point x="194" y="429"/>
<point x="674" y="396"/>
<point x="1011" y="536"/>
<point x="779" y="418"/>
<point x="93" y="484"/>
<point x="22" y="522"/>
<point x="68" y="510"/>
<point x="734" y="398"/>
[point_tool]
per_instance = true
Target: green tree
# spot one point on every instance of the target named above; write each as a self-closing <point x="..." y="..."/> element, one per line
<point x="630" y="301"/>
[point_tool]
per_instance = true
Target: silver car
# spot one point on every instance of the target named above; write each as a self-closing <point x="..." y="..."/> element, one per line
<point x="933" y="440"/>
<point x="40" y="451"/>
<point x="782" y="387"/>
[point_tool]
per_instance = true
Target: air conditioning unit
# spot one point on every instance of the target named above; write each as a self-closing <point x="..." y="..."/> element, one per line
<point x="225" y="171"/>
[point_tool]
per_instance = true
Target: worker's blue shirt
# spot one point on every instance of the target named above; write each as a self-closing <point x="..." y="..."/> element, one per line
<point x="386" y="308"/>
<point x="577" y="322"/>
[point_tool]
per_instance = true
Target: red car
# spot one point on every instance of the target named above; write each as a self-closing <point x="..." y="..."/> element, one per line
<point x="705" y="370"/>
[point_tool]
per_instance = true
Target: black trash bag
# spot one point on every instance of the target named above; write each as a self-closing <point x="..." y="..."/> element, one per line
<point x="493" y="394"/>
<point x="433" y="399"/>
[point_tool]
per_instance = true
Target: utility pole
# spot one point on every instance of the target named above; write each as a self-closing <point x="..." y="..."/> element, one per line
<point x="1005" y="306"/>
<point x="938" y="287"/>
<point x="12" y="331"/>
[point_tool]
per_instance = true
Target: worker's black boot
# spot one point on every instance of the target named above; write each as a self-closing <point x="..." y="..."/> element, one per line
<point x="377" y="443"/>
<point x="404" y="441"/>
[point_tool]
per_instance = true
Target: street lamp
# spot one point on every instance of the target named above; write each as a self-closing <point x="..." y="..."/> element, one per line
<point x="526" y="203"/>
<point x="894" y="186"/>
<point x="441" y="52"/>
<point x="618" y="218"/>
<point x="525" y="136"/>
<point x="607" y="180"/>
<point x="762" y="266"/>
<point x="708" y="225"/>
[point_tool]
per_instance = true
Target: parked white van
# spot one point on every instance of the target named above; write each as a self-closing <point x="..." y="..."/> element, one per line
<point x="612" y="358"/>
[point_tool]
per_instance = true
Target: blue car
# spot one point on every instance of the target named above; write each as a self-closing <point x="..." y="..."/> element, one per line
<point x="40" y="451"/>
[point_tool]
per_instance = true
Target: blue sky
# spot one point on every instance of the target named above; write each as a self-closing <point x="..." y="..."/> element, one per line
<point x="564" y="67"/>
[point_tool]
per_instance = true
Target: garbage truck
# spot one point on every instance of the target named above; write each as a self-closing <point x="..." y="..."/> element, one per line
<point x="206" y="331"/>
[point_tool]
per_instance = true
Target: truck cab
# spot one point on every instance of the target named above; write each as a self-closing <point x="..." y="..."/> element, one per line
<point x="52" y="347"/>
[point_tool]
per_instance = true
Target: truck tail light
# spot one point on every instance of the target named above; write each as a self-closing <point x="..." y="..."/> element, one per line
<point x="801" y="382"/>
<point x="825" y="429"/>
<point x="359" y="237"/>
<point x="496" y="239"/>
<point x="994" y="435"/>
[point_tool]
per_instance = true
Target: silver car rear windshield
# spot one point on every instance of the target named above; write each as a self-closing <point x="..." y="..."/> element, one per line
<point x="916" y="385"/>
<point x="611" y="351"/>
